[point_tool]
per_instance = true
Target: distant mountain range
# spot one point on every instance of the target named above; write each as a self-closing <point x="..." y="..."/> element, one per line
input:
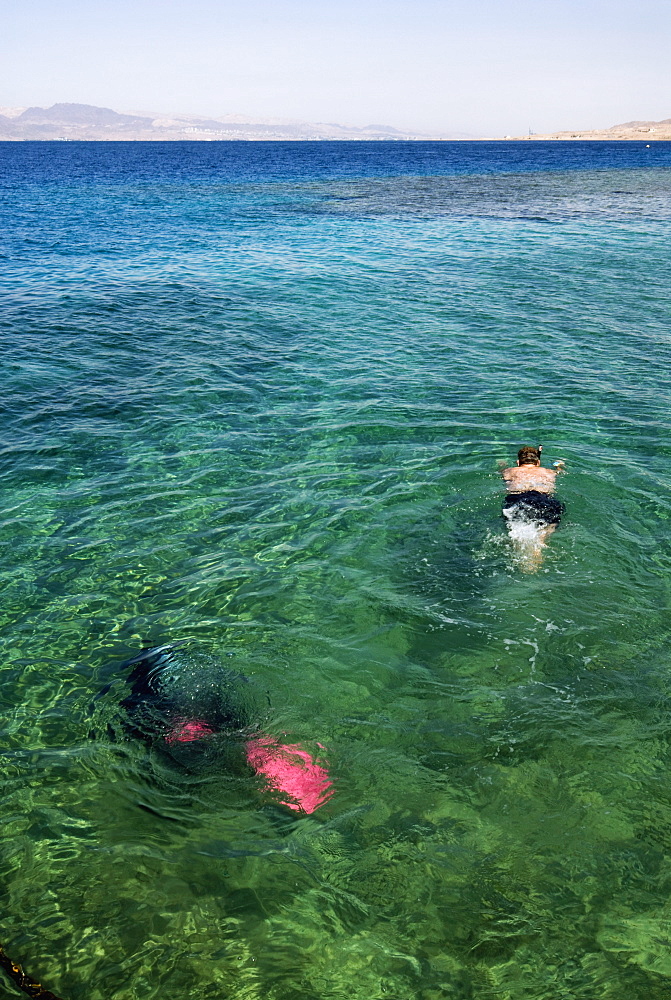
<point x="85" y="121"/>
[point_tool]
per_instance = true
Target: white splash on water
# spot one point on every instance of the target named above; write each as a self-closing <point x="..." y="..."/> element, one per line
<point x="510" y="643"/>
<point x="523" y="542"/>
<point x="527" y="539"/>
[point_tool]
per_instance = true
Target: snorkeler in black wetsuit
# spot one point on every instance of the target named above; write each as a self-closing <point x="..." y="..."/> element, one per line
<point x="197" y="712"/>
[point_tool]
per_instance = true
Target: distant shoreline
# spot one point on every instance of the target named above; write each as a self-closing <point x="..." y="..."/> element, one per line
<point x="286" y="139"/>
<point x="629" y="132"/>
<point x="89" y="123"/>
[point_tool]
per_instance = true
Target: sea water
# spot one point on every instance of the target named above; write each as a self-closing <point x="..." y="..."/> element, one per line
<point x="254" y="396"/>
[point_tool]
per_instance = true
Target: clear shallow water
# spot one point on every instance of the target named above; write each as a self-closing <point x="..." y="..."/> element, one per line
<point x="254" y="397"/>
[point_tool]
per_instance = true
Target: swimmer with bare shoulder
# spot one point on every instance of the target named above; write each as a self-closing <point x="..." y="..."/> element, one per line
<point x="531" y="511"/>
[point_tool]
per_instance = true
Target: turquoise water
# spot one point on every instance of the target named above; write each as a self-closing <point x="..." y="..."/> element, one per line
<point x="254" y="399"/>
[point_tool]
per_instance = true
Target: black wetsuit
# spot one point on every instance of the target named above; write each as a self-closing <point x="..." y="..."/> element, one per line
<point x="534" y="507"/>
<point x="190" y="706"/>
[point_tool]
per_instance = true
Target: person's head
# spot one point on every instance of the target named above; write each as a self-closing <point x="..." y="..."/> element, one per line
<point x="529" y="456"/>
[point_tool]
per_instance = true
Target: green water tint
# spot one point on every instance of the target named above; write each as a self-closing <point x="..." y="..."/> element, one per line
<point x="285" y="453"/>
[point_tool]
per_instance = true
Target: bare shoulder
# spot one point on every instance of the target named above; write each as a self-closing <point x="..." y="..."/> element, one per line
<point x="529" y="477"/>
<point x="516" y="476"/>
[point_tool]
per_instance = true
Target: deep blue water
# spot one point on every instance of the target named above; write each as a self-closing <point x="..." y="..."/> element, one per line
<point x="254" y="396"/>
<point x="87" y="163"/>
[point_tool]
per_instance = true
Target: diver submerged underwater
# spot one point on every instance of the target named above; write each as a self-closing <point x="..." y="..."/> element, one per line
<point x="202" y="714"/>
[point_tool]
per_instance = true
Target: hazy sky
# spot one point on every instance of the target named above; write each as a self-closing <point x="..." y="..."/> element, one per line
<point x="488" y="67"/>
